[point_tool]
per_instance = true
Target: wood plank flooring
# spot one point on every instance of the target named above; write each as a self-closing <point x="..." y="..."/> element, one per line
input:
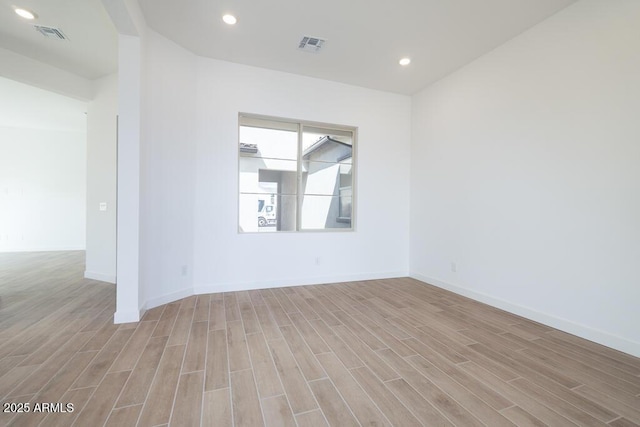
<point x="382" y="352"/>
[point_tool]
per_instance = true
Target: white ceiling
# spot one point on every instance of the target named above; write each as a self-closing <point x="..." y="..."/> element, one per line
<point x="91" y="50"/>
<point x="366" y="38"/>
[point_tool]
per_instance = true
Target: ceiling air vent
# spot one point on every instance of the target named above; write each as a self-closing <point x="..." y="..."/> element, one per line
<point x="50" y="32"/>
<point x="311" y="44"/>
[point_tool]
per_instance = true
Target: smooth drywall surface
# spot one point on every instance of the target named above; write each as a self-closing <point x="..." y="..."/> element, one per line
<point x="167" y="168"/>
<point x="129" y="22"/>
<point x="101" y="180"/>
<point x="525" y="177"/>
<point x="42" y="190"/>
<point x="128" y="302"/>
<point x="26" y="106"/>
<point x="42" y="170"/>
<point x="227" y="260"/>
<point x="29" y="71"/>
<point x="189" y="179"/>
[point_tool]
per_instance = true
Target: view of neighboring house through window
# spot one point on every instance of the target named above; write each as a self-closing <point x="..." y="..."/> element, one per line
<point x="294" y="176"/>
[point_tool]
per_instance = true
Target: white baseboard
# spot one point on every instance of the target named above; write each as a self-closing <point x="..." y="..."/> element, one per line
<point x="246" y="286"/>
<point x="595" y="335"/>
<point x="167" y="298"/>
<point x="109" y="278"/>
<point x="268" y="284"/>
<point x="127" y="316"/>
<point x="41" y="249"/>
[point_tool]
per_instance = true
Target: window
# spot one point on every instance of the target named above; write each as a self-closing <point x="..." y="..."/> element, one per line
<point x="295" y="176"/>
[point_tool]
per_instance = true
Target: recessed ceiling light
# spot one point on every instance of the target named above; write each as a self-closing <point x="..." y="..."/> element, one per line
<point x="405" y="61"/>
<point x="25" y="13"/>
<point x="229" y="19"/>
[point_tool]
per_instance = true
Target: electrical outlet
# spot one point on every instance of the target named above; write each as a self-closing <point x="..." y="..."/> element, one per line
<point x="454" y="267"/>
<point x="184" y="270"/>
<point x="318" y="260"/>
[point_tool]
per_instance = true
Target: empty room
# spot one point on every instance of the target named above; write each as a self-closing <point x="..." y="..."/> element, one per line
<point x="292" y="213"/>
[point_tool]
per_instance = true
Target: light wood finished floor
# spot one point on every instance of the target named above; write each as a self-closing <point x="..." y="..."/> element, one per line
<point x="383" y="352"/>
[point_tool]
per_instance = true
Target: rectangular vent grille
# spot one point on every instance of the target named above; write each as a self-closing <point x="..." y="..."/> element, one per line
<point x="311" y="44"/>
<point x="50" y="32"/>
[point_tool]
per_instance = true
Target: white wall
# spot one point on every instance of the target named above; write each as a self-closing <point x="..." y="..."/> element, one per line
<point x="525" y="174"/>
<point x="101" y="180"/>
<point x="227" y="260"/>
<point x="129" y="288"/>
<point x="42" y="170"/>
<point x="31" y="72"/>
<point x="167" y="170"/>
<point x="189" y="185"/>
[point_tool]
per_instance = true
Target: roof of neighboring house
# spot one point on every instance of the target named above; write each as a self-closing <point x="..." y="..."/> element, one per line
<point x="320" y="143"/>
<point x="248" y="148"/>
